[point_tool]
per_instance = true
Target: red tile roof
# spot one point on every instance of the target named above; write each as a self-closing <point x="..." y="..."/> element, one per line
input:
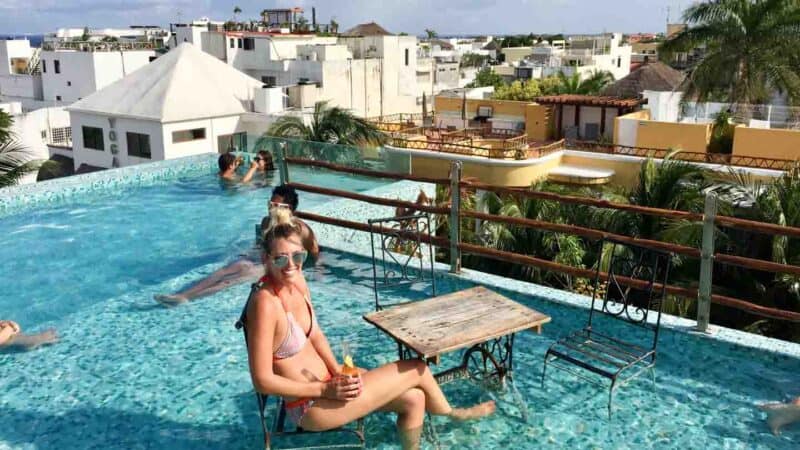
<point x="589" y="100"/>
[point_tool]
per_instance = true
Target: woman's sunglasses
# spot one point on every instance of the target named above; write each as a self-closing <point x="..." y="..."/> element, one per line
<point x="298" y="258"/>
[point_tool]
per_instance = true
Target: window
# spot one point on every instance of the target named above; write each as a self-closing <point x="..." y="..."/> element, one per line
<point x="406" y="57"/>
<point x="69" y="83"/>
<point x="138" y="144"/>
<point x="93" y="138"/>
<point x="188" y="135"/>
<point x="58" y="98"/>
<point x="249" y="43"/>
<point x="233" y="43"/>
<point x="57" y="65"/>
<point x="270" y="81"/>
<point x="239" y="43"/>
<point x="151" y="59"/>
<point x="619" y="61"/>
<point x="44" y="66"/>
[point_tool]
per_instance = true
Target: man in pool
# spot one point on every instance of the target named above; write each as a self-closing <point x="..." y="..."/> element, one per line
<point x="11" y="337"/>
<point x="780" y="414"/>
<point x="229" y="163"/>
<point x="248" y="267"/>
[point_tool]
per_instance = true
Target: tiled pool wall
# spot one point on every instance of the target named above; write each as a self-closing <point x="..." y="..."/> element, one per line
<point x="20" y="198"/>
<point x="23" y="197"/>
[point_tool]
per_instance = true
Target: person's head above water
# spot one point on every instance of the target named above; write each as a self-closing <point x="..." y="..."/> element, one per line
<point x="226" y="161"/>
<point x="282" y="248"/>
<point x="284" y="195"/>
<point x="264" y="160"/>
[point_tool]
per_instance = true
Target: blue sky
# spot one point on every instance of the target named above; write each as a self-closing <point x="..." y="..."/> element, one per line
<point x="410" y="16"/>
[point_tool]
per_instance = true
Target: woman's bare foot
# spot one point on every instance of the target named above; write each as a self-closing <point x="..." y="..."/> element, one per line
<point x="473" y="412"/>
<point x="170" y="300"/>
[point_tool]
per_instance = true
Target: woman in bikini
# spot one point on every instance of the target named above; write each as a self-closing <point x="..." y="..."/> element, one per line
<point x="290" y="356"/>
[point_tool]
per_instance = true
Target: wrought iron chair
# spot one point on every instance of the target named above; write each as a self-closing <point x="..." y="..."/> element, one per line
<point x="634" y="293"/>
<point x="402" y="257"/>
<point x="279" y="427"/>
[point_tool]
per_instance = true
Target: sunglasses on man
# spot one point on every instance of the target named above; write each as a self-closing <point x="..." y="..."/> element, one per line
<point x="298" y="258"/>
<point x="279" y="205"/>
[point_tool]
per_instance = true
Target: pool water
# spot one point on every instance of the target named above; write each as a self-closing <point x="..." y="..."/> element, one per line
<point x="131" y="374"/>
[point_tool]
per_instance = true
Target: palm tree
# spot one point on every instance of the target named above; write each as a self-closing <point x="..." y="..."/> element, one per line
<point x="333" y="135"/>
<point x="750" y="49"/>
<point x="432" y="34"/>
<point x="672" y="184"/>
<point x="15" y="159"/>
<point x="329" y="124"/>
<point x="236" y="12"/>
<point x="573" y="84"/>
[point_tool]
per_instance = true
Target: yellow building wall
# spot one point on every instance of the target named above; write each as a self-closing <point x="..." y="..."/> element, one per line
<point x="513" y="176"/>
<point x="770" y="143"/>
<point x="690" y="137"/>
<point x="452" y="105"/>
<point x="642" y="114"/>
<point x="537" y="122"/>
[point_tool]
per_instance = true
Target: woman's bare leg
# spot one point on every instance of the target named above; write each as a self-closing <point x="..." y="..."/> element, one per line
<point x="383" y="385"/>
<point x="31" y="341"/>
<point x="235" y="273"/>
<point x="410" y="409"/>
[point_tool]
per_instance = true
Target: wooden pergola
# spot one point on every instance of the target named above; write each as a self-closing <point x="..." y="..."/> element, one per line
<point x="622" y="105"/>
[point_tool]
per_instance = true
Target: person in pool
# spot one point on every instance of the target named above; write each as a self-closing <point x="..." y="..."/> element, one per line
<point x="289" y="354"/>
<point x="11" y="337"/>
<point x="248" y="266"/>
<point x="229" y="163"/>
<point x="781" y="414"/>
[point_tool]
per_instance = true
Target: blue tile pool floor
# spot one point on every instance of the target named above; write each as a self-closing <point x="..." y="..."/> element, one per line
<point x="129" y="374"/>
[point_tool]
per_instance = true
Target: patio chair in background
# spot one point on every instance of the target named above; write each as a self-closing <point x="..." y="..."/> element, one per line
<point x="618" y="358"/>
<point x="399" y="257"/>
<point x="279" y="426"/>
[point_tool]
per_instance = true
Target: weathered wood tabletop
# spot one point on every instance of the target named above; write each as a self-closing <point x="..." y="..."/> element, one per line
<point x="458" y="320"/>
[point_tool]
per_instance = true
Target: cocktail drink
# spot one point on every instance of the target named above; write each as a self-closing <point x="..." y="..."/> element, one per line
<point x="349" y="368"/>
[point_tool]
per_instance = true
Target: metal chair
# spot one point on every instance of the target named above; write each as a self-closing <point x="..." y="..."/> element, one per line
<point x="278" y="427"/>
<point x="635" y="290"/>
<point x="402" y="257"/>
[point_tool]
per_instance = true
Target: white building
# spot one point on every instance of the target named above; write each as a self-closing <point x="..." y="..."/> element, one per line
<point x="134" y="33"/>
<point x="582" y="54"/>
<point x="186" y="102"/>
<point x="365" y="69"/>
<point x="17" y="62"/>
<point x="39" y="131"/>
<point x="72" y="71"/>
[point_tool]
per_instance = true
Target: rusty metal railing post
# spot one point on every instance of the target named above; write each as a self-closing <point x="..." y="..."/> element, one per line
<point x="455" y="219"/>
<point x="283" y="166"/>
<point x="706" y="264"/>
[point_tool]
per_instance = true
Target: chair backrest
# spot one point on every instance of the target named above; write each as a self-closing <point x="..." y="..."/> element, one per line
<point x="635" y="285"/>
<point x="398" y="254"/>
<point x="241" y="324"/>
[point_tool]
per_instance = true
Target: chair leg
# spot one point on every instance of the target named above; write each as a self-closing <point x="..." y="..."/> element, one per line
<point x="611" y="396"/>
<point x="544" y="371"/>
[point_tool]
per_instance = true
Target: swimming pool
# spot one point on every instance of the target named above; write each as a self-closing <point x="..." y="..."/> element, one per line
<point x="131" y="374"/>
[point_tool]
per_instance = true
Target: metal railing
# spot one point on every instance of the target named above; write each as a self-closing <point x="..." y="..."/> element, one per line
<point x="99" y="46"/>
<point x="698" y="157"/>
<point x="453" y="209"/>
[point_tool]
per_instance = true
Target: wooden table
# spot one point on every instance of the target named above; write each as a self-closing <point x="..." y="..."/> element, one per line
<point x="477" y="319"/>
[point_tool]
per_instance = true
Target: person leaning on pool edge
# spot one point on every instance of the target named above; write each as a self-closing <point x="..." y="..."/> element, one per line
<point x="286" y="197"/>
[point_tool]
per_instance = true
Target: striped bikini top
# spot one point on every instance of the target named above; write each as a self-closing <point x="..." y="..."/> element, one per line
<point x="295" y="338"/>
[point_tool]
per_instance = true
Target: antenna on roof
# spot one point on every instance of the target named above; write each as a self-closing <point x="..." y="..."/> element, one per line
<point x="667" y="14"/>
